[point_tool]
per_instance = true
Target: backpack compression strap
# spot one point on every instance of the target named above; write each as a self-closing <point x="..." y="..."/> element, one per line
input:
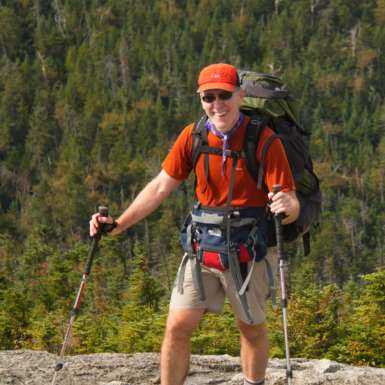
<point x="255" y="90"/>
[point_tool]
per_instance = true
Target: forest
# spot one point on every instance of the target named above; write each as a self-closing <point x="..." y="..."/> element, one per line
<point x="92" y="95"/>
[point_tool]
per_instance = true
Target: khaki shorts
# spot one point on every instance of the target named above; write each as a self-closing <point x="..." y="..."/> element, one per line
<point x="218" y="285"/>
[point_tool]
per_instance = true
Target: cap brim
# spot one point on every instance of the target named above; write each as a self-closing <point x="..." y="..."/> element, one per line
<point x="217" y="86"/>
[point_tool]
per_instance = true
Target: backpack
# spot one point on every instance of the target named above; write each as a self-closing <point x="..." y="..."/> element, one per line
<point x="268" y="103"/>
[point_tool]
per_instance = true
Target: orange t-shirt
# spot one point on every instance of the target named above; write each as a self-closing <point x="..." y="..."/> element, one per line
<point x="178" y="164"/>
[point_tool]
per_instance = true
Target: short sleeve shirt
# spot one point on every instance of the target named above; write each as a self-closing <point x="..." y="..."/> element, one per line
<point x="214" y="192"/>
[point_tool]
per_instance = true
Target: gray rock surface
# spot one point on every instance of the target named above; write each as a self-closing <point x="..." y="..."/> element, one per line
<point x="26" y="367"/>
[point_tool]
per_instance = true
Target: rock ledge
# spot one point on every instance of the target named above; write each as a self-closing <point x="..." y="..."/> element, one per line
<point x="27" y="367"/>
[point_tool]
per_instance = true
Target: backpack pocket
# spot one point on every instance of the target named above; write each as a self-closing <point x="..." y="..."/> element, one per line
<point x="211" y="247"/>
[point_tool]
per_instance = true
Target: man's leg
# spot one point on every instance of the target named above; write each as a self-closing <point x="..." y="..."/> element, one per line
<point x="175" y="354"/>
<point x="254" y="351"/>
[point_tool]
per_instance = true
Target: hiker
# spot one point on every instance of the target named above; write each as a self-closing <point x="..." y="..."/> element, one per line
<point x="201" y="288"/>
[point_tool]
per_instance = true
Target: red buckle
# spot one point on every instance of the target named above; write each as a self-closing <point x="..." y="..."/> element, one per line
<point x="244" y="255"/>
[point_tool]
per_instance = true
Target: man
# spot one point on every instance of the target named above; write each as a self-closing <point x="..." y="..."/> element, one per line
<point x="221" y="97"/>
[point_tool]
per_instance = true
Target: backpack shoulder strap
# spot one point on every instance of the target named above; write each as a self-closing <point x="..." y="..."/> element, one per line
<point x="253" y="133"/>
<point x="199" y="141"/>
<point x="266" y="146"/>
<point x="199" y="138"/>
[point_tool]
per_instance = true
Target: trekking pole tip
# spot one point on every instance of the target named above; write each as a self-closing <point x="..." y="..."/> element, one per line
<point x="59" y="366"/>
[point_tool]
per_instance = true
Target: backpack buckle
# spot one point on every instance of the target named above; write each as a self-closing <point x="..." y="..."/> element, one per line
<point x="232" y="154"/>
<point x="258" y="120"/>
<point x="228" y="153"/>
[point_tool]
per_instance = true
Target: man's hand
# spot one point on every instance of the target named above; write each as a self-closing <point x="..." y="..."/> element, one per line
<point x="97" y="220"/>
<point x="285" y="203"/>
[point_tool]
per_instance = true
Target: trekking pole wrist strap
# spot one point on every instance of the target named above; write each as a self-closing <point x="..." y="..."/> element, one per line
<point x="108" y="227"/>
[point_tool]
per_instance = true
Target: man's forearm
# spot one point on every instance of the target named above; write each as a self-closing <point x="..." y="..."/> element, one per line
<point x="147" y="201"/>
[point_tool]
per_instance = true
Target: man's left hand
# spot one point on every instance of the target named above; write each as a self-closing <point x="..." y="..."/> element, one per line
<point x="285" y="203"/>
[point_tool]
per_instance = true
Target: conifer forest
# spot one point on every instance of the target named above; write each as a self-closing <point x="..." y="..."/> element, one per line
<point x="92" y="95"/>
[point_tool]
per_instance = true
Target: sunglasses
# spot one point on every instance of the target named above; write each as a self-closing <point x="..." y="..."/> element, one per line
<point x="224" y="95"/>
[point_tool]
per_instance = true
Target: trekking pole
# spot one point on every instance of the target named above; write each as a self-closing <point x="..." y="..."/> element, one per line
<point x="103" y="211"/>
<point x="282" y="267"/>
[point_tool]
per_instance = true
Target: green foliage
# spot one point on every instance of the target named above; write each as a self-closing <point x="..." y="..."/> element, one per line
<point x="344" y="325"/>
<point x="217" y="334"/>
<point x="140" y="328"/>
<point x="315" y="321"/>
<point x="14" y="317"/>
<point x="143" y="288"/>
<point x="364" y="343"/>
<point x="92" y="95"/>
<point x="42" y="333"/>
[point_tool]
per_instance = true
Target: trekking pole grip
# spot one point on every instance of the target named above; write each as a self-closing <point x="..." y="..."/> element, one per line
<point x="278" y="225"/>
<point x="276" y="189"/>
<point x="103" y="211"/>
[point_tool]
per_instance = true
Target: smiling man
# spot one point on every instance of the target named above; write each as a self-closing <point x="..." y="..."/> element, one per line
<point x="225" y="236"/>
<point x="220" y="104"/>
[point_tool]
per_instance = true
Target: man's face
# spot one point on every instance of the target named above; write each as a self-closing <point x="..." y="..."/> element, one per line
<point x="222" y="107"/>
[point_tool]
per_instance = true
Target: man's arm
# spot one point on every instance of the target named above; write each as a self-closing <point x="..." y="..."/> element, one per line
<point x="287" y="203"/>
<point x="147" y="201"/>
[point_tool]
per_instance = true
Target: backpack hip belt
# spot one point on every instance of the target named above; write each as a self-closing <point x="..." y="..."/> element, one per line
<point x="224" y="239"/>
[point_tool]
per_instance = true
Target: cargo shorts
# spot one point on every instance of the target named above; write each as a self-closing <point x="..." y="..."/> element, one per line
<point x="219" y="285"/>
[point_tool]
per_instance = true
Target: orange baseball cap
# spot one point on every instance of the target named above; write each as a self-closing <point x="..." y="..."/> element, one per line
<point x="218" y="76"/>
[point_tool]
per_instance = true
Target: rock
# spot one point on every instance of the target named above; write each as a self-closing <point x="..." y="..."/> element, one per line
<point x="27" y="367"/>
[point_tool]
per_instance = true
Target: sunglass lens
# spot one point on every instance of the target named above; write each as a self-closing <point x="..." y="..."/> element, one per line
<point x="209" y="98"/>
<point x="226" y="95"/>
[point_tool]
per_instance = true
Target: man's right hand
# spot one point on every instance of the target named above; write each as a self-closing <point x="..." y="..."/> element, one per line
<point x="97" y="220"/>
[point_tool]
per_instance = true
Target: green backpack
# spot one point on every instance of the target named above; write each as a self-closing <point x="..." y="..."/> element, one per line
<point x="268" y="103"/>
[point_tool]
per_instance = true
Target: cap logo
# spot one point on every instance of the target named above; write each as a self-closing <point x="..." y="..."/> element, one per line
<point x="223" y="76"/>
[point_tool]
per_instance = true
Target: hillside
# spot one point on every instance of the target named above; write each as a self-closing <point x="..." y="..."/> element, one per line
<point x="92" y="95"/>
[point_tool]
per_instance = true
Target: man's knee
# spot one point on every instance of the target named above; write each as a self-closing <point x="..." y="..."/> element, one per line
<point x="182" y="323"/>
<point x="252" y="332"/>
